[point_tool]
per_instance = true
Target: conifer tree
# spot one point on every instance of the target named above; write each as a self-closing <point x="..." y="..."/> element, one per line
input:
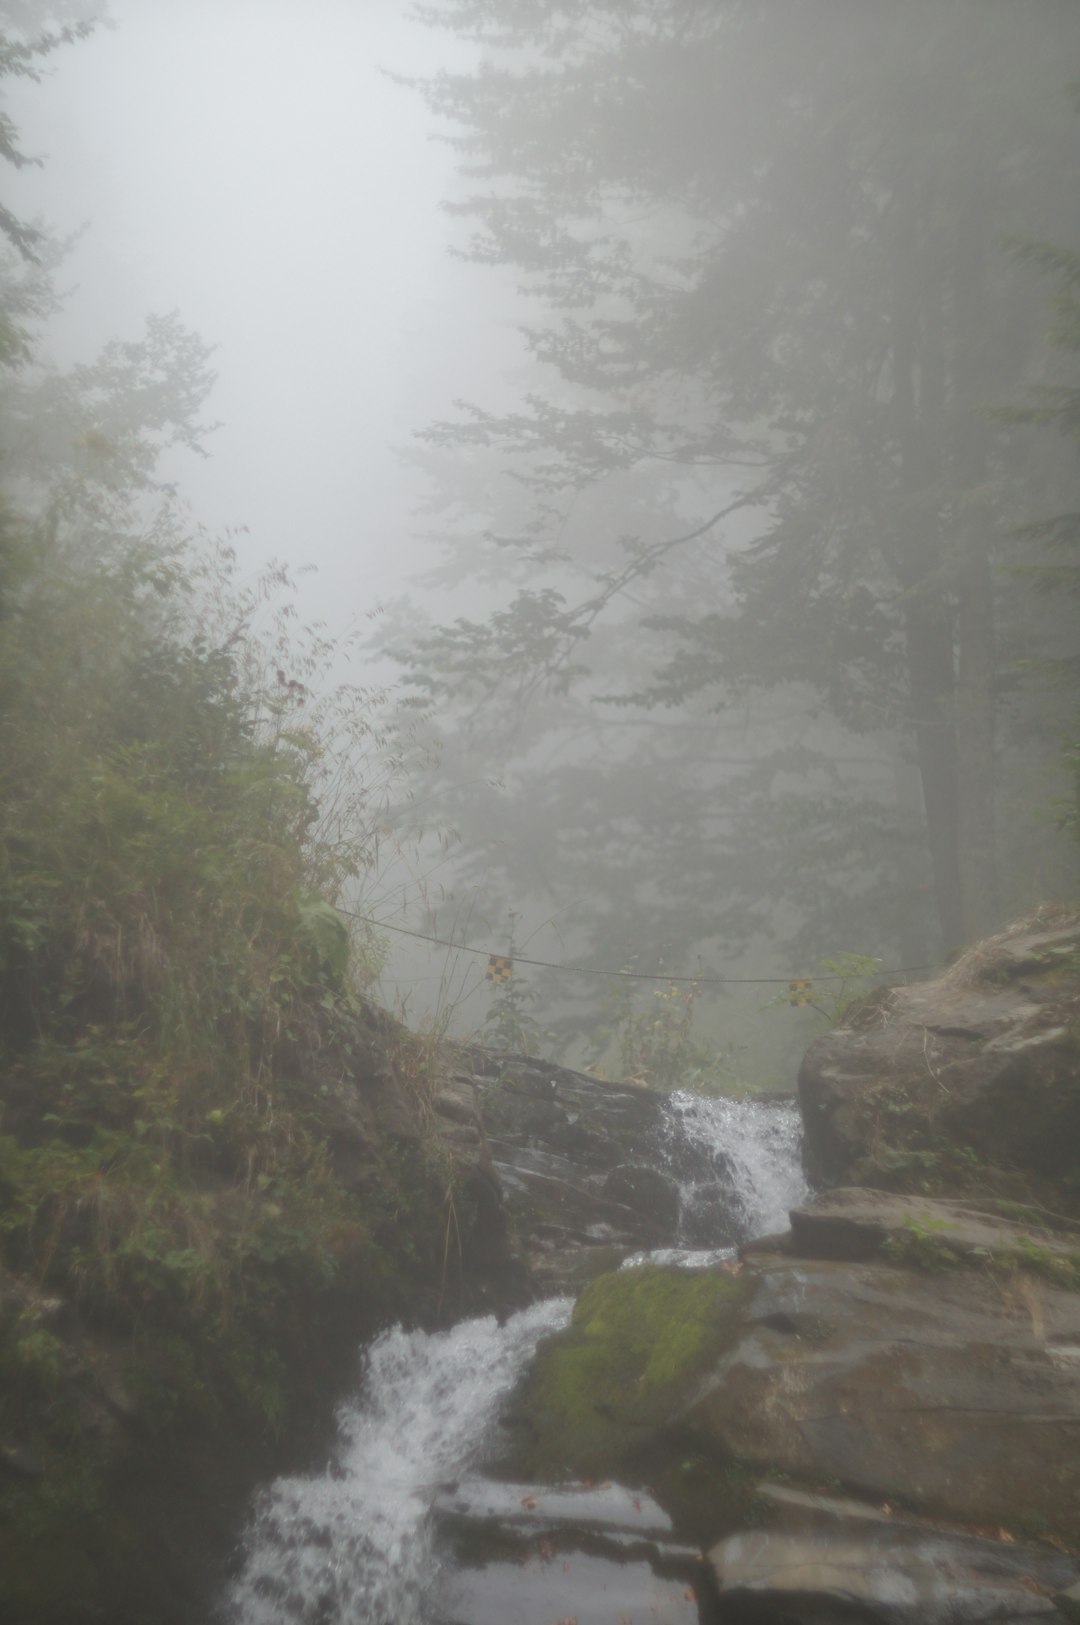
<point x="767" y="252"/>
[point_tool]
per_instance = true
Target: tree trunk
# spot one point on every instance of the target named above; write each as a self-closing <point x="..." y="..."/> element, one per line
<point x="928" y="634"/>
<point x="916" y="553"/>
<point x="976" y="656"/>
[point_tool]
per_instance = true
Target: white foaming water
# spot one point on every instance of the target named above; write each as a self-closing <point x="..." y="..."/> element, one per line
<point x="736" y="1162"/>
<point x="354" y="1547"/>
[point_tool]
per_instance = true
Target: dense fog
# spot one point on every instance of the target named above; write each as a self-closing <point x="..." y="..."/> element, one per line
<point x="539" y="747"/>
<point x="677" y="402"/>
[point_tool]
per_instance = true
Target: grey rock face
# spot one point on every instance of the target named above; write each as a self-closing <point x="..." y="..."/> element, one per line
<point x="956" y="1391"/>
<point x="826" y="1558"/>
<point x="982" y="1059"/>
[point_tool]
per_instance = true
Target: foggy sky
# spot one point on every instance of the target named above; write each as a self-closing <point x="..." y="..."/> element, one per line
<point x="246" y="163"/>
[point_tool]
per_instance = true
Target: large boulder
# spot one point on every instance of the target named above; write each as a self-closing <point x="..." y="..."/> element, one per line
<point x="968" y="1081"/>
<point x="952" y="1392"/>
<point x="640" y="1342"/>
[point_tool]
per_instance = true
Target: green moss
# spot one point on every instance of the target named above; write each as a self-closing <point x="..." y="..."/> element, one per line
<point x="921" y="1245"/>
<point x="924" y="1244"/>
<point x="638" y="1342"/>
<point x="1059" y="1268"/>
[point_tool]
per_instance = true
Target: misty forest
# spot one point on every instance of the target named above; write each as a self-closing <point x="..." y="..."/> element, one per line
<point x="539" y="812"/>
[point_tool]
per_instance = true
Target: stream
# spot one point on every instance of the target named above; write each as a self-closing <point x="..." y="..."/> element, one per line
<point x="360" y="1543"/>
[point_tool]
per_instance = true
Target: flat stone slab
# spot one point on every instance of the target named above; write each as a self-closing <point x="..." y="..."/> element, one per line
<point x="574" y="1588"/>
<point x="854" y="1223"/>
<point x="540" y="1554"/>
<point x="812" y="1579"/>
<point x="826" y="1552"/>
<point x="610" y="1507"/>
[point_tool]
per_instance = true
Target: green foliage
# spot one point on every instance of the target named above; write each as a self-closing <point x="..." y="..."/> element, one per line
<point x="1059" y="1268"/>
<point x="37" y="1352"/>
<point x="187" y="802"/>
<point x="21" y="52"/>
<point x="845" y="980"/>
<point x="657" y="1046"/>
<point x="934" y="1165"/>
<point x="849" y="977"/>
<point x="922" y="1245"/>
<point x="508" y="1024"/>
<point x="184" y="800"/>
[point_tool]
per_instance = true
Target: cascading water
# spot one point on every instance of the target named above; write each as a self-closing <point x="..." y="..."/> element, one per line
<point x="737" y="1165"/>
<point x="356" y="1546"/>
<point x="353" y="1547"/>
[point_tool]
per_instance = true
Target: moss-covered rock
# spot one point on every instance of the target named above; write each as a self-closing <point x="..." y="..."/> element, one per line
<point x="626" y="1368"/>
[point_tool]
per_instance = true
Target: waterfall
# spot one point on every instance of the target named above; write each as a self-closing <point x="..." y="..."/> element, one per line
<point x="736" y="1162"/>
<point x="355" y="1545"/>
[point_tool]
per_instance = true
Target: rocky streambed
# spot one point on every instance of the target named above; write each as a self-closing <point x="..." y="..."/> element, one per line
<point x="428" y="1511"/>
<point x="861" y="1404"/>
<point x="821" y="1430"/>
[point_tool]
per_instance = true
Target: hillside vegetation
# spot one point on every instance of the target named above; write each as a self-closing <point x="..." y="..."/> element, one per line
<point x="183" y="1035"/>
<point x="213" y="1164"/>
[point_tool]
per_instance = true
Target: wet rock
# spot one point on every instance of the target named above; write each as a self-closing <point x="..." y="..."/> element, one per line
<point x="710" y="1213"/>
<point x="1068" y="1601"/>
<point x="536" y="1554"/>
<point x="604" y="1508"/>
<point x="21" y="1459"/>
<point x="587" y="1164"/>
<point x="597" y="1123"/>
<point x="922" y="1084"/>
<point x="458" y="1104"/>
<point x="958" y="1391"/>
<point x="824" y="1558"/>
<point x="854" y="1223"/>
<point x="564" y="1273"/>
<point x="649" y="1194"/>
<point x="571" y="1153"/>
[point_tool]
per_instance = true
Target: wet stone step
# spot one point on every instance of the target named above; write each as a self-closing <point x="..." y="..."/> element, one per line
<point x="540" y="1555"/>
